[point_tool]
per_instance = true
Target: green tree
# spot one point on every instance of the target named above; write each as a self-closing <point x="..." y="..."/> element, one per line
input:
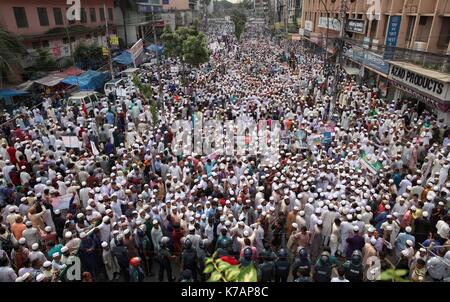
<point x="89" y="56"/>
<point x="239" y="18"/>
<point x="45" y="62"/>
<point x="195" y="50"/>
<point x="227" y="269"/>
<point x="11" y="53"/>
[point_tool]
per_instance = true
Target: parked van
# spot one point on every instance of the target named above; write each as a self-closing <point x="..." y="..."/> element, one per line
<point x="90" y="98"/>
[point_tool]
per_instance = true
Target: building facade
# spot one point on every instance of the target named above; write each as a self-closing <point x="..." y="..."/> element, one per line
<point x="44" y="24"/>
<point x="401" y="46"/>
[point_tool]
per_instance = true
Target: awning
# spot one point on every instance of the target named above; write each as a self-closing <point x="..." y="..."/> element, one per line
<point x="351" y="70"/>
<point x="155" y="48"/>
<point x="51" y="80"/>
<point x="90" y="80"/>
<point x="124" y="58"/>
<point x="8" y="92"/>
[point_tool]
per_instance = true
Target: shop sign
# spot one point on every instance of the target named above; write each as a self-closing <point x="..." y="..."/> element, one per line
<point x="330" y="23"/>
<point x="309" y="25"/>
<point x="356" y="26"/>
<point x="419" y="82"/>
<point x="376" y="62"/>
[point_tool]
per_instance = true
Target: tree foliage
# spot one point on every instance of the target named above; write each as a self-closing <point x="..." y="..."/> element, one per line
<point x="239" y="18"/>
<point x="187" y="44"/>
<point x="11" y="53"/>
<point x="89" y="56"/>
<point x="147" y="93"/>
<point x="44" y="61"/>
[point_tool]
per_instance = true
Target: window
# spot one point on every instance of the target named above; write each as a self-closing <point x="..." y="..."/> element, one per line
<point x="88" y="36"/>
<point x="95" y="34"/>
<point x="57" y="13"/>
<point x="165" y="2"/>
<point x="83" y="15"/>
<point x="102" y="14"/>
<point x="110" y="14"/>
<point x="43" y="17"/>
<point x="65" y="41"/>
<point x="72" y="39"/>
<point x="45" y="43"/>
<point x="21" y="17"/>
<point x="423" y="20"/>
<point x="36" y="45"/>
<point x="93" y="14"/>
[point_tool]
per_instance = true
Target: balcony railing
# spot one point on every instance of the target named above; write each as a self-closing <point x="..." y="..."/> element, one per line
<point x="427" y="60"/>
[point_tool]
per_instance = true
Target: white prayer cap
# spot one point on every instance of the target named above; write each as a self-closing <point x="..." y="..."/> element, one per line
<point x="373" y="241"/>
<point x="64" y="249"/>
<point x="356" y="228"/>
<point x="425" y="214"/>
<point x="68" y="234"/>
<point x="409" y="242"/>
<point x="48" y="229"/>
<point x="34" y="246"/>
<point x="47" y="264"/>
<point x="408" y="229"/>
<point x="40" y="278"/>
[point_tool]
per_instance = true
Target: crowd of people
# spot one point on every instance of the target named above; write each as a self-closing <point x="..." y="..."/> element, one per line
<point x="352" y="186"/>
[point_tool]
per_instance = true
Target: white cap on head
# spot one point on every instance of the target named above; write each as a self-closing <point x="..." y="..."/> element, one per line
<point x="373" y="241"/>
<point x="40" y="278"/>
<point x="409" y="242"/>
<point x="48" y="229"/>
<point x="425" y="214"/>
<point x="64" y="249"/>
<point x="104" y="244"/>
<point x="356" y="228"/>
<point x="47" y="264"/>
<point x="34" y="246"/>
<point x="408" y="229"/>
<point x="68" y="234"/>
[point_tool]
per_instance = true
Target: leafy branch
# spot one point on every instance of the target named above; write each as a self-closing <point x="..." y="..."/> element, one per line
<point x="227" y="269"/>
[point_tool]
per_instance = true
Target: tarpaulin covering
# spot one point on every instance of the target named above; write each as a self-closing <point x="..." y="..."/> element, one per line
<point x="90" y="80"/>
<point x="124" y="58"/>
<point x="52" y="79"/>
<point x="8" y="92"/>
<point x="155" y="48"/>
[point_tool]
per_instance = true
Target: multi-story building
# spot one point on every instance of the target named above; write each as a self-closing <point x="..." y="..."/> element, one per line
<point x="44" y="24"/>
<point x="402" y="46"/>
<point x="138" y="20"/>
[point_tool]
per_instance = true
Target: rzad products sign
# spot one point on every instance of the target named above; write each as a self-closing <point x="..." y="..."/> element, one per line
<point x="420" y="82"/>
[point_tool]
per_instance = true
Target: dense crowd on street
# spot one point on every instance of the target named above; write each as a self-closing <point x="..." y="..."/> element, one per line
<point x="353" y="185"/>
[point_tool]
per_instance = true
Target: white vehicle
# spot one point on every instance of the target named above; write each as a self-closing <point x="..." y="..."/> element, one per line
<point x="130" y="72"/>
<point x="112" y="85"/>
<point x="89" y="98"/>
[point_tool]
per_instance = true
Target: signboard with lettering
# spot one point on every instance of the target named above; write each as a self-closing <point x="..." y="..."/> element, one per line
<point x="356" y="26"/>
<point x="392" y="36"/>
<point x="376" y="62"/>
<point x="330" y="23"/>
<point x="136" y="51"/>
<point x="309" y="25"/>
<point x="420" y="82"/>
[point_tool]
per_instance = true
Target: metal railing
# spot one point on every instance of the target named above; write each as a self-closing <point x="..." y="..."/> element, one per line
<point x="427" y="60"/>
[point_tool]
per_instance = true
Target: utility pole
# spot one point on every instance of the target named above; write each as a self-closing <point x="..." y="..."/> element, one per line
<point x="111" y="69"/>
<point x="158" y="58"/>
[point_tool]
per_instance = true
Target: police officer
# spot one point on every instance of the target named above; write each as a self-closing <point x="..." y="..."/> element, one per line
<point x="247" y="257"/>
<point x="282" y="266"/>
<point x="202" y="253"/>
<point x="322" y="270"/>
<point x="224" y="243"/>
<point x="354" y="268"/>
<point x="189" y="260"/>
<point x="164" y="257"/>
<point x="302" y="262"/>
<point x="267" y="268"/>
